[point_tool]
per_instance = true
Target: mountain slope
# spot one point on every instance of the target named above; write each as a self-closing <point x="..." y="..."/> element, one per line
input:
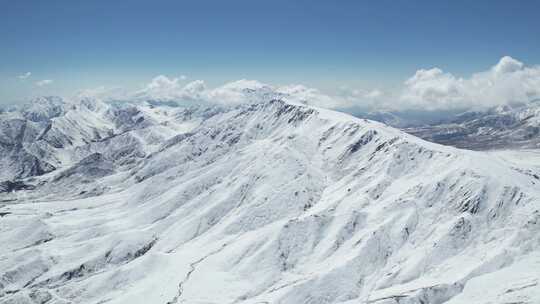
<point x="276" y="203"/>
<point x="51" y="133"/>
<point x="503" y="127"/>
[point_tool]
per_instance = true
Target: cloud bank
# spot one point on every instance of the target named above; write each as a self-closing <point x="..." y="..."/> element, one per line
<point x="506" y="82"/>
<point x="233" y="93"/>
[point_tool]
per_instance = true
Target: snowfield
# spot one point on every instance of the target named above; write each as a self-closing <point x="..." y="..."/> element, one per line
<point x="270" y="202"/>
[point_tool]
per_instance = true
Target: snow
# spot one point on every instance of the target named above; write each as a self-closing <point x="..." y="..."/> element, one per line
<point x="271" y="202"/>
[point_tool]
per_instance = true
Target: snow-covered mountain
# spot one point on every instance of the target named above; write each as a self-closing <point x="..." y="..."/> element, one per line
<point x="503" y="127"/>
<point x="51" y="133"/>
<point x="269" y="202"/>
<point x="498" y="128"/>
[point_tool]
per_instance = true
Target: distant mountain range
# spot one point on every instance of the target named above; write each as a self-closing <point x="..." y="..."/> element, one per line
<point x="503" y="127"/>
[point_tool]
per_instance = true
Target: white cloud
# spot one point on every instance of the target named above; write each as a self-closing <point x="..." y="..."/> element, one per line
<point x="507" y="64"/>
<point x="506" y="82"/>
<point x="302" y="94"/>
<point x="374" y="98"/>
<point x="374" y="94"/>
<point x="194" y="89"/>
<point x="24" y="76"/>
<point x="163" y="87"/>
<point x="241" y="91"/>
<point x="44" y="82"/>
<point x="428" y="89"/>
<point x="161" y="82"/>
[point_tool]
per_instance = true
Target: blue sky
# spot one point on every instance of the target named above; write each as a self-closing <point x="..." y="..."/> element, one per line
<point x="325" y="44"/>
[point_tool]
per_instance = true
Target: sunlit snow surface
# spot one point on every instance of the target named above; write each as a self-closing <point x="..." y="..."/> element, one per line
<point x="264" y="203"/>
